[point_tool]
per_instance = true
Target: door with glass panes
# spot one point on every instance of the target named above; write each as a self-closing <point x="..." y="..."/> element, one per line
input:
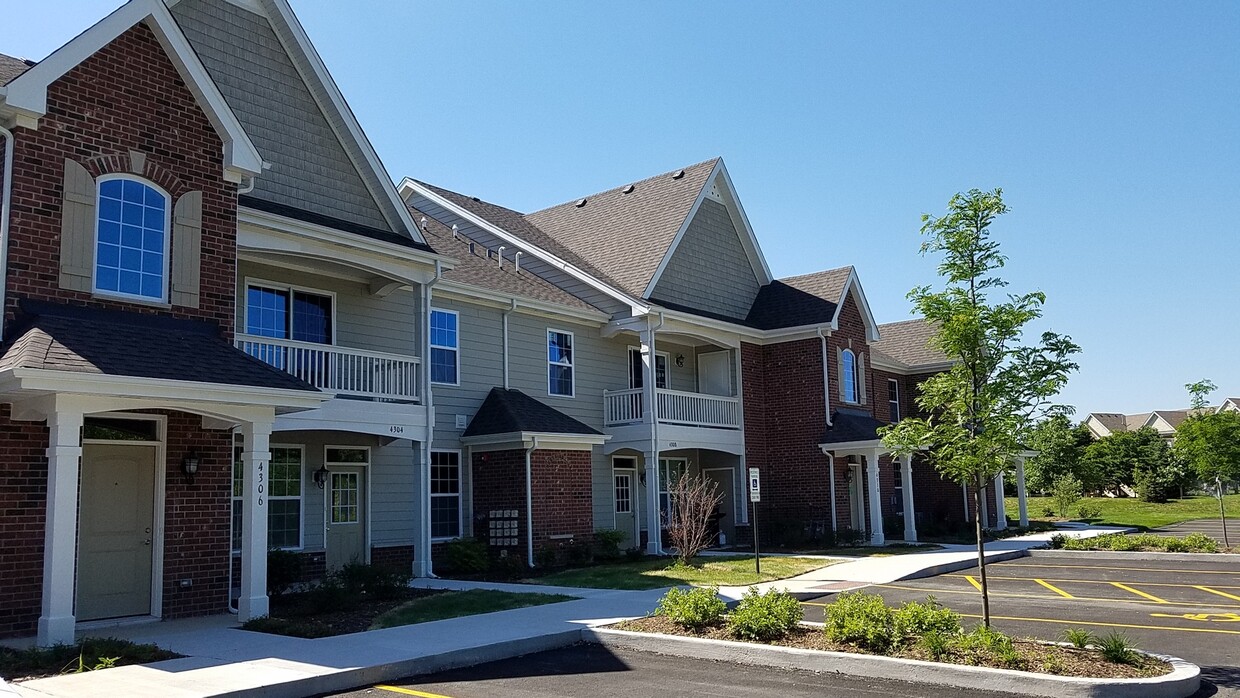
<point x="346" y="507"/>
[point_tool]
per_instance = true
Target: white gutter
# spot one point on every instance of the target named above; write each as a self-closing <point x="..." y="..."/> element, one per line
<point x="529" y="504"/>
<point x="5" y="213"/>
<point x="505" y="315"/>
<point x="422" y="554"/>
<point x="826" y="403"/>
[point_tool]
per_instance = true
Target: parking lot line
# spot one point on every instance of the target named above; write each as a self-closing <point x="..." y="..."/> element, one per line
<point x="1054" y="588"/>
<point x="1103" y="581"/>
<point x="1168" y="628"/>
<point x="1047" y="597"/>
<point x="1138" y="592"/>
<point x="976" y="584"/>
<point x="410" y="692"/>
<point x="1102" y="567"/>
<point x="1216" y="591"/>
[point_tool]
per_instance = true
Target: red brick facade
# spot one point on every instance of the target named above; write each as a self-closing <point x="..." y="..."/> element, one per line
<point x="23" y="501"/>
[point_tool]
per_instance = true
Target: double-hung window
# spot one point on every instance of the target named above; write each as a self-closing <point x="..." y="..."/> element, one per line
<point x="283" y="493"/>
<point x="637" y="369"/>
<point x="893" y="399"/>
<point x="848" y="374"/>
<point x="560" y="359"/>
<point x="131" y="239"/>
<point x="445" y="347"/>
<point x="445" y="494"/>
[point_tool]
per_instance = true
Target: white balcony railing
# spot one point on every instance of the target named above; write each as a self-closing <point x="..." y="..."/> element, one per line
<point x="338" y="369"/>
<point x="674" y="407"/>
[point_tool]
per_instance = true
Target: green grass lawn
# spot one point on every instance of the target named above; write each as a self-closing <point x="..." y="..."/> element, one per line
<point x="857" y="551"/>
<point x="1133" y="512"/>
<point x="461" y="603"/>
<point x="654" y="573"/>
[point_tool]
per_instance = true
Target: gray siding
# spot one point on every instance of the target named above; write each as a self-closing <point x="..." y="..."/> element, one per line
<point x="709" y="269"/>
<point x="310" y="169"/>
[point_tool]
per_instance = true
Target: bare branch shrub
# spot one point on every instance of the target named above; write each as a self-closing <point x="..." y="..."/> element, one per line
<point x="694" y="500"/>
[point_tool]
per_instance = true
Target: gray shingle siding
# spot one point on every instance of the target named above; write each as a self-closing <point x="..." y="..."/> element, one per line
<point x="310" y="170"/>
<point x="709" y="269"/>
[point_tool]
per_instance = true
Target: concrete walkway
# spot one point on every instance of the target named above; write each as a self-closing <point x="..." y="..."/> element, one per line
<point x="222" y="660"/>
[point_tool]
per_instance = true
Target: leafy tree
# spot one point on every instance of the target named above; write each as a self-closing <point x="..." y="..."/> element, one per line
<point x="1060" y="447"/>
<point x="1139" y="459"/>
<point x="1210" y="443"/>
<point x="1066" y="492"/>
<point x="981" y="411"/>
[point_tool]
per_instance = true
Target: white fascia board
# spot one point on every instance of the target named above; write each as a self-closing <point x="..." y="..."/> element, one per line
<point x="280" y="9"/>
<point x="43" y="380"/>
<point x="909" y="370"/>
<point x="846" y="446"/>
<point x="470" y="293"/>
<point x="854" y="282"/>
<point x="638" y="307"/>
<point x="27" y="94"/>
<point x="526" y="439"/>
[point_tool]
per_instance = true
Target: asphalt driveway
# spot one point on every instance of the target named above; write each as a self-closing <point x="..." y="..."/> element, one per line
<point x="1210" y="527"/>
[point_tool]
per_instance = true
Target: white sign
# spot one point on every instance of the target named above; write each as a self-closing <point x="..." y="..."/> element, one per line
<point x="755" y="486"/>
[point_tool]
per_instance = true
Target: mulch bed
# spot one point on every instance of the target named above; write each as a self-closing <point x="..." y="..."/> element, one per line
<point x="291" y="615"/>
<point x="1039" y="658"/>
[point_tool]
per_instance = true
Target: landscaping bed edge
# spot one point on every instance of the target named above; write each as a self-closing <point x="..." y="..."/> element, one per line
<point x="1135" y="555"/>
<point x="1184" y="679"/>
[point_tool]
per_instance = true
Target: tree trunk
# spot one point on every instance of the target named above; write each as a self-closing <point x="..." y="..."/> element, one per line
<point x="978" y="493"/>
<point x="1222" y="514"/>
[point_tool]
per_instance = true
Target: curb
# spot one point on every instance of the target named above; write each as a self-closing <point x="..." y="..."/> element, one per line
<point x="1120" y="555"/>
<point x="936" y="570"/>
<point x="1184" y="679"/>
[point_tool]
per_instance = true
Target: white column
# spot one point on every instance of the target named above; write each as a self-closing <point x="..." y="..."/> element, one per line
<point x="910" y="515"/>
<point x="654" y="545"/>
<point x="422" y="505"/>
<point x="64" y="457"/>
<point x="831" y="488"/>
<point x="650" y="418"/>
<point x="1022" y="496"/>
<point x="256" y="461"/>
<point x="875" y="499"/>
<point x="1000" y="505"/>
<point x="985" y="512"/>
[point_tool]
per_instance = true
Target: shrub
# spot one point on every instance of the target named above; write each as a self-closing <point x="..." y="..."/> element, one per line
<point x="579" y="554"/>
<point x="1201" y="543"/>
<point x="465" y="556"/>
<point x="1117" y="648"/>
<point x="1086" y="511"/>
<point x="863" y="620"/>
<point x="983" y="643"/>
<point x="546" y="557"/>
<point x="329" y="595"/>
<point x="375" y="581"/>
<point x="283" y="571"/>
<point x="1065" y="493"/>
<point x="607" y="543"/>
<point x="1058" y="541"/>
<point x="1048" y="512"/>
<point x="1078" y="637"/>
<point x="849" y="538"/>
<point x="937" y="645"/>
<point x="692" y="609"/>
<point x="765" y="617"/>
<point x="917" y="619"/>
<point x="634" y="554"/>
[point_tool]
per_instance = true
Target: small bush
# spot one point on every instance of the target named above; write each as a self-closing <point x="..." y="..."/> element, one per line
<point x="634" y="554"/>
<point x="1058" y="541"/>
<point x="1086" y="511"/>
<point x="863" y="620"/>
<point x="329" y="595"/>
<point x="937" y="645"/>
<point x="849" y="538"/>
<point x="579" y="553"/>
<point x="1200" y="543"/>
<point x="765" y="617"/>
<point x="465" y="556"/>
<point x="692" y="609"/>
<point x="1065" y="493"/>
<point x="283" y="571"/>
<point x="917" y="619"/>
<point x="607" y="543"/>
<point x="1193" y="542"/>
<point x="1117" y="648"/>
<point x="1052" y="664"/>
<point x="1078" y="638"/>
<point x="983" y="643"/>
<point x="546" y="557"/>
<point x="374" y="581"/>
<point x="1048" y="512"/>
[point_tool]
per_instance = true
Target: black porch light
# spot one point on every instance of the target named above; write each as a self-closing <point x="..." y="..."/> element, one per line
<point x="189" y="466"/>
<point x="320" y="476"/>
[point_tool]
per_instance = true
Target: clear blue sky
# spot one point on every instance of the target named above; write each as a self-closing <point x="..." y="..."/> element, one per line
<point x="1113" y="128"/>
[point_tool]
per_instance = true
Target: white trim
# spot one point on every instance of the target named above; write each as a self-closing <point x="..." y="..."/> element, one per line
<point x="893" y="417"/>
<point x="455" y="350"/>
<point x="736" y="212"/>
<point x="165" y="253"/>
<point x="468" y="293"/>
<point x="667" y="367"/>
<point x="854" y="282"/>
<point x="460" y="495"/>
<point x="26" y="95"/>
<point x="291" y="288"/>
<point x="572" y="362"/>
<point x="546" y="440"/>
<point x="366" y="473"/>
<point x="848" y="369"/>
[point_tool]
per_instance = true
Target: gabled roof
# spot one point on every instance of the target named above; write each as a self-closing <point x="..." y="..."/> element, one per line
<point x="1111" y="421"/>
<point x="809" y="299"/>
<point x="513" y="412"/>
<point x="1230" y="404"/>
<point x="79" y="339"/>
<point x="11" y="67"/>
<point x="908" y="343"/>
<point x="25" y="96"/>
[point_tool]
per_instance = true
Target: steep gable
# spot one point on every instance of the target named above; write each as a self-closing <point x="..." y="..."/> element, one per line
<point x="709" y="269"/>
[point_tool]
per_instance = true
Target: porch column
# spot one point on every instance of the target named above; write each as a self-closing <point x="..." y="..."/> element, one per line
<point x="1022" y="496"/>
<point x="910" y="515"/>
<point x="64" y="458"/>
<point x="654" y="524"/>
<point x="875" y="499"/>
<point x="831" y="489"/>
<point x="650" y="417"/>
<point x="255" y="461"/>
<point x="1000" y="505"/>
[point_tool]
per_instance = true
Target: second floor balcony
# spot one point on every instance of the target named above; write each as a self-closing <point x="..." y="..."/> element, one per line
<point x="340" y="370"/>
<point x="626" y="407"/>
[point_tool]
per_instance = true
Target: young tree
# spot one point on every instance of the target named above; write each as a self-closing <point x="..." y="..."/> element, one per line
<point x="1209" y="442"/>
<point x="694" y="500"/>
<point x="981" y="411"/>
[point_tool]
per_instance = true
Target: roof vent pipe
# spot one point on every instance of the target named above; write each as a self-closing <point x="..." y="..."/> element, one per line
<point x="456" y="232"/>
<point x="516" y="261"/>
<point x="499" y="254"/>
<point x="628" y="189"/>
<point x="422" y="223"/>
<point x="471" y="248"/>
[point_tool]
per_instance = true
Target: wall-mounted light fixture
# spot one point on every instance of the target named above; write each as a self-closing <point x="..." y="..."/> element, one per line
<point x="320" y="476"/>
<point x="189" y="466"/>
<point x="680" y="360"/>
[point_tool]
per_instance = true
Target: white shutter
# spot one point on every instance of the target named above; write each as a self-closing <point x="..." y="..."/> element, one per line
<point x="186" y="250"/>
<point x="77" y="229"/>
<point x="839" y="374"/>
<point x="861" y="396"/>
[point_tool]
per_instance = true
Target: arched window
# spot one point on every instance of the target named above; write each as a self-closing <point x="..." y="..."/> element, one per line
<point x="849" y="375"/>
<point x="131" y="239"/>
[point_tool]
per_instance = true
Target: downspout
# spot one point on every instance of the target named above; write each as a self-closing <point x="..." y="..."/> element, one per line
<point x="826" y="405"/>
<point x="422" y="566"/>
<point x="529" y="504"/>
<point x="505" y="322"/>
<point x="5" y="214"/>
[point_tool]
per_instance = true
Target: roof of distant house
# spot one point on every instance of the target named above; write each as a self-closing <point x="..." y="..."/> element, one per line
<point x="11" y="67"/>
<point x="508" y="411"/>
<point x="908" y="342"/>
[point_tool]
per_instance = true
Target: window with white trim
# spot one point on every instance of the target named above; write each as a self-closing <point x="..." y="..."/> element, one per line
<point x="284" y="497"/>
<point x="131" y="238"/>
<point x="445" y="347"/>
<point x="670" y="472"/>
<point x="445" y="494"/>
<point x="848" y="374"/>
<point x="893" y="399"/>
<point x="637" y="368"/>
<point x="624" y="493"/>
<point x="560" y="359"/>
<point x="898" y="488"/>
<point x="282" y="312"/>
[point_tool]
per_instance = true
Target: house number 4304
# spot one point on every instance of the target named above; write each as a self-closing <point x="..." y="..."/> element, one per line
<point x="396" y="429"/>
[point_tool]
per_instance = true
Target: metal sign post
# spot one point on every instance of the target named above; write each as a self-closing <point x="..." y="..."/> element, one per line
<point x="755" y="496"/>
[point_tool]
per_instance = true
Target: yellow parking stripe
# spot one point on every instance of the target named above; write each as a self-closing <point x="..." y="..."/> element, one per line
<point x="1220" y="593"/>
<point x="1168" y="628"/>
<point x="410" y="692"/>
<point x="976" y="584"/>
<point x="1142" y="582"/>
<point x="1138" y="592"/>
<point x="1054" y="588"/>
<point x="1100" y="567"/>
<point x="1047" y="597"/>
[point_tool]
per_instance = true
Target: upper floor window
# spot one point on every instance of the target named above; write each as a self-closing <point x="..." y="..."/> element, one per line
<point x="286" y="313"/>
<point x="848" y="375"/>
<point x="560" y="363"/>
<point x="893" y="398"/>
<point x="131" y="240"/>
<point x="445" y="347"/>
<point x="637" y="369"/>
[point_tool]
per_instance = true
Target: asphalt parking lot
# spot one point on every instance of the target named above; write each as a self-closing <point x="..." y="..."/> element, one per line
<point x="1209" y="527"/>
<point x="1187" y="609"/>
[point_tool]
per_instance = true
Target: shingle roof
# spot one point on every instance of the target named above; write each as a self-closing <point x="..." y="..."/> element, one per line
<point x="627" y="234"/>
<point x="809" y="299"/>
<point x="479" y="270"/>
<point x="305" y="216"/>
<point x="908" y="342"/>
<point x="11" y="67"/>
<point x="511" y="411"/>
<point x="116" y="343"/>
<point x="849" y="426"/>
<point x="1113" y="421"/>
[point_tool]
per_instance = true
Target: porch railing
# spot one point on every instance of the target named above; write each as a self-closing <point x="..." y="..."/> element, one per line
<point x="339" y="369"/>
<point x="674" y="407"/>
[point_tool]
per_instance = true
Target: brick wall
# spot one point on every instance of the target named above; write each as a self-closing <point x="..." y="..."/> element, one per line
<point x="128" y="96"/>
<point x="396" y="557"/>
<point x="563" y="501"/>
<point x="23" y="501"/>
<point x="497" y="481"/>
